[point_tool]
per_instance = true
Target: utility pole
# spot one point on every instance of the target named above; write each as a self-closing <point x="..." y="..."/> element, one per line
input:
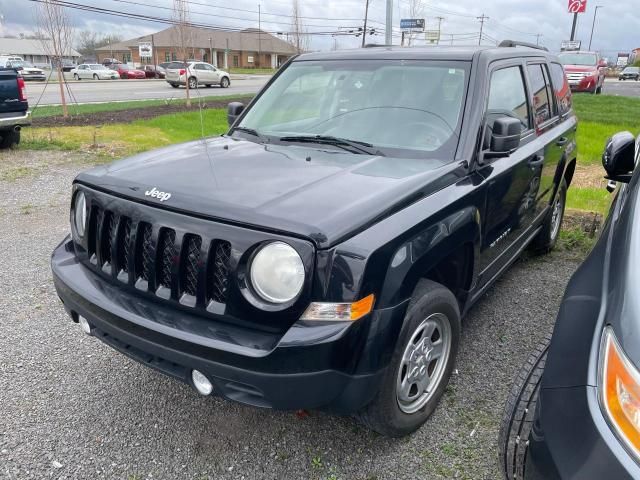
<point x="482" y="19"/>
<point x="595" y="13"/>
<point x="538" y="35"/>
<point x="388" y="32"/>
<point x="440" y="19"/>
<point x="259" y="35"/>
<point x="573" y="27"/>
<point x="366" y="15"/>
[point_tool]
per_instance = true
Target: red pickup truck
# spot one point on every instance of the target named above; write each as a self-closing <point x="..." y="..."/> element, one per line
<point x="14" y="109"/>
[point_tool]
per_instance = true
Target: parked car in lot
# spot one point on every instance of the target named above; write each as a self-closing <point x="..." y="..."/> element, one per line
<point x="197" y="73"/>
<point x="630" y="73"/>
<point x="128" y="72"/>
<point x="323" y="252"/>
<point x="586" y="71"/>
<point x="574" y="411"/>
<point x="154" y="71"/>
<point x="14" y="108"/>
<point x="27" y="70"/>
<point x="94" y="71"/>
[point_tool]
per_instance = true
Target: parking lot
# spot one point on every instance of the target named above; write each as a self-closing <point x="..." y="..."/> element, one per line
<point x="626" y="88"/>
<point x="72" y="408"/>
<point x="86" y="91"/>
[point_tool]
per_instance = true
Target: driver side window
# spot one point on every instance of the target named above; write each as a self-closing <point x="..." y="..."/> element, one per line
<point x="507" y="96"/>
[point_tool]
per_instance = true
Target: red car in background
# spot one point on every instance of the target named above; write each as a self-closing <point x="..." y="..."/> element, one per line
<point x="154" y="71"/>
<point x="585" y="71"/>
<point x="127" y="72"/>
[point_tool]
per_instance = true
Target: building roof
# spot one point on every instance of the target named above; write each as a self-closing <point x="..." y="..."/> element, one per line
<point x="245" y="40"/>
<point x="28" y="46"/>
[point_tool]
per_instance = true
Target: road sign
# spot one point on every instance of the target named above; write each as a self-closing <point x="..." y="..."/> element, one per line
<point x="570" y="45"/>
<point x="145" y="50"/>
<point x="432" y="36"/>
<point x="577" y="6"/>
<point x="412" y="24"/>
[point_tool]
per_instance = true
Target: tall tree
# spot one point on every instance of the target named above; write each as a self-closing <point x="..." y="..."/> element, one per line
<point x="416" y="10"/>
<point x="299" y="35"/>
<point x="183" y="37"/>
<point x="56" y="34"/>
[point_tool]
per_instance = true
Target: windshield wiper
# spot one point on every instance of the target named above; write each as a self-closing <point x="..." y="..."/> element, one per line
<point x="251" y="131"/>
<point x="362" y="147"/>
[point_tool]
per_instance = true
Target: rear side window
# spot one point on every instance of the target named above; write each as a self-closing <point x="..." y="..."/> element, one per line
<point x="561" y="88"/>
<point x="507" y="95"/>
<point x="542" y="103"/>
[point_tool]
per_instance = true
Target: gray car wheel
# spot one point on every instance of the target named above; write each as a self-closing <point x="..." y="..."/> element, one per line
<point x="193" y="83"/>
<point x="224" y="82"/>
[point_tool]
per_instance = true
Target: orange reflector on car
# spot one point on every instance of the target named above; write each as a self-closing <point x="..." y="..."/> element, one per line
<point x="339" y="312"/>
<point x="360" y="308"/>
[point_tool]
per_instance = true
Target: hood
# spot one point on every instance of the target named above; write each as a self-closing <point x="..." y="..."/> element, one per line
<point x="580" y="68"/>
<point x="322" y="195"/>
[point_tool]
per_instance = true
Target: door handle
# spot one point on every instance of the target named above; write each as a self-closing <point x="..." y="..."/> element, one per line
<point x="562" y="141"/>
<point x="536" y="160"/>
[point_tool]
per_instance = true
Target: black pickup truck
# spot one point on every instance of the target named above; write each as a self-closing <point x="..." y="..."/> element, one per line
<point x="322" y="253"/>
<point x="14" y="109"/>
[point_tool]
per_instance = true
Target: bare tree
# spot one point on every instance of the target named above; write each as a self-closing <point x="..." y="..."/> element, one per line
<point x="55" y="32"/>
<point x="299" y="35"/>
<point x="416" y="10"/>
<point x="88" y="42"/>
<point x="183" y="37"/>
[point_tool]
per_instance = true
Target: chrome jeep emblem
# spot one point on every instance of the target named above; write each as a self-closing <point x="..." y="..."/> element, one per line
<point x="155" y="193"/>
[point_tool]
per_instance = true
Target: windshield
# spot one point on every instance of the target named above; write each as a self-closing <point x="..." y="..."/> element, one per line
<point x="587" y="59"/>
<point x="631" y="70"/>
<point x="402" y="108"/>
<point x="98" y="67"/>
<point x="16" y="63"/>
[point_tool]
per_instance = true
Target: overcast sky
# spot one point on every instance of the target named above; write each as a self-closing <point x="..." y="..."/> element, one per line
<point x="617" y="27"/>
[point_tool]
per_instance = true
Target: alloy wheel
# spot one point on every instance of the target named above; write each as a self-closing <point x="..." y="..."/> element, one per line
<point x="556" y="216"/>
<point x="423" y="363"/>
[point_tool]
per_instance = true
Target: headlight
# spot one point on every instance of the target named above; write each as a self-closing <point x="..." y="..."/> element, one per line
<point x="80" y="214"/>
<point x="620" y="391"/>
<point x="277" y="273"/>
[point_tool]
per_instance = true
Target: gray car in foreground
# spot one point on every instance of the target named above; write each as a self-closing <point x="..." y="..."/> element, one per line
<point x="574" y="411"/>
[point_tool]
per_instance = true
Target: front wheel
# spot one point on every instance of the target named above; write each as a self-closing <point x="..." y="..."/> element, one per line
<point x="548" y="236"/>
<point x="519" y="413"/>
<point x="421" y="364"/>
<point x="193" y="83"/>
<point x="174" y="85"/>
<point x="224" y="83"/>
<point x="95" y="77"/>
<point x="76" y="76"/>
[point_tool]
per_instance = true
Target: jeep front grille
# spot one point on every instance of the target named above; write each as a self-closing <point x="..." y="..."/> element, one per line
<point x="159" y="260"/>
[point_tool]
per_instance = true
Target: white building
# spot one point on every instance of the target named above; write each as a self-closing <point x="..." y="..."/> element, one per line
<point x="32" y="50"/>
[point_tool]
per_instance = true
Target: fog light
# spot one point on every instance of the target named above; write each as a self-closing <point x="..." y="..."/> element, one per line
<point x="84" y="324"/>
<point x="201" y="382"/>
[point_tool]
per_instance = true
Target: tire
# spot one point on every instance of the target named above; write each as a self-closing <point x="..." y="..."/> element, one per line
<point x="519" y="413"/>
<point x="193" y="83"/>
<point x="76" y="76"/>
<point x="224" y="82"/>
<point x="174" y="85"/>
<point x="208" y="85"/>
<point x="391" y="413"/>
<point x="10" y="139"/>
<point x="548" y="236"/>
<point x="599" y="90"/>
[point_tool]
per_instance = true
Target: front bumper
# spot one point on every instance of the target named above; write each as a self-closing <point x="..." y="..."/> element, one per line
<point x="571" y="439"/>
<point x="22" y="119"/>
<point x="34" y="76"/>
<point x="587" y="84"/>
<point x="313" y="365"/>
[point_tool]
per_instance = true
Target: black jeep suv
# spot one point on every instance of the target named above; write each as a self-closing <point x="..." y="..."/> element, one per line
<point x="322" y="253"/>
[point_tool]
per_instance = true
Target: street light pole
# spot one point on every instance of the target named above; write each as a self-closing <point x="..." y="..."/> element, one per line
<point x="366" y="15"/>
<point x="595" y="13"/>
<point x="388" y="32"/>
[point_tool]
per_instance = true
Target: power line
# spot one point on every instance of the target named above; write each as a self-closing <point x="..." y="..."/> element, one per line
<point x="482" y="19"/>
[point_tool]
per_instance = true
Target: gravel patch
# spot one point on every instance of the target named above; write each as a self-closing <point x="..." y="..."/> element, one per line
<point x="72" y="408"/>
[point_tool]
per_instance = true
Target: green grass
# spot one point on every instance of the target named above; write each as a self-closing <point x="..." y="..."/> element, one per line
<point x="575" y="240"/>
<point x="52" y="111"/>
<point x="600" y="116"/>
<point x="589" y="199"/>
<point x="255" y="71"/>
<point x="118" y="140"/>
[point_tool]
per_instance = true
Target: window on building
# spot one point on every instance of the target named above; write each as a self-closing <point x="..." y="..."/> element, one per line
<point x="174" y="56"/>
<point x="126" y="57"/>
<point x="236" y="61"/>
<point x="167" y="57"/>
<point x="540" y="93"/>
<point x="507" y="94"/>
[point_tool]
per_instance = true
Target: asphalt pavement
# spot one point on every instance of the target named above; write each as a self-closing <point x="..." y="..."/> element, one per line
<point x="102" y="91"/>
<point x="73" y="408"/>
<point x="627" y="88"/>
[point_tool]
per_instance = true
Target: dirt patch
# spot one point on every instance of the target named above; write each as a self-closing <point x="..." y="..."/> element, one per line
<point x="130" y="114"/>
<point x="589" y="176"/>
<point x="587" y="222"/>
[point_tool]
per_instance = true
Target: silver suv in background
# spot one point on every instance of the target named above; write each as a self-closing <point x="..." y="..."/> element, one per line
<point x="197" y="73"/>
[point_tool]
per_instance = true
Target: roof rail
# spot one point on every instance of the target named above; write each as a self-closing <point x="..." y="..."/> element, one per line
<point x="516" y="43"/>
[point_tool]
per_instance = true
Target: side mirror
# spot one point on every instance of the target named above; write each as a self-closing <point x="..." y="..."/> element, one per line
<point x="505" y="137"/>
<point x="618" y="157"/>
<point x="234" y="109"/>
